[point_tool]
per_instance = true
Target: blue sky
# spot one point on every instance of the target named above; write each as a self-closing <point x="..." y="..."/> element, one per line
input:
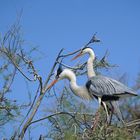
<point x="52" y="25"/>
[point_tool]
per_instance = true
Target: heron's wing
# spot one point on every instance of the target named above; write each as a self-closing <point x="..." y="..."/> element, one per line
<point x="107" y="88"/>
<point x="99" y="88"/>
<point x="121" y="90"/>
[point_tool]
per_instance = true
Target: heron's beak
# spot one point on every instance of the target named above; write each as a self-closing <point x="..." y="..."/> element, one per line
<point x="78" y="55"/>
<point x="52" y="83"/>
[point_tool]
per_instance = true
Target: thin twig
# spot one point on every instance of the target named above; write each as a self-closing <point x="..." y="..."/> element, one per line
<point x="61" y="113"/>
<point x="79" y="67"/>
<point x="69" y="54"/>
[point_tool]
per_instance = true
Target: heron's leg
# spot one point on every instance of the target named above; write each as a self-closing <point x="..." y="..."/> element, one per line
<point x="99" y="99"/>
<point x="97" y="115"/>
<point x="107" y="114"/>
<point x="111" y="115"/>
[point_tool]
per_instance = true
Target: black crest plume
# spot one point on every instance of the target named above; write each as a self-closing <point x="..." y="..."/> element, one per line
<point x="59" y="70"/>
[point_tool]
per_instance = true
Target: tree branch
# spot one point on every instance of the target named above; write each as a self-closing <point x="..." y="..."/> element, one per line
<point x="38" y="102"/>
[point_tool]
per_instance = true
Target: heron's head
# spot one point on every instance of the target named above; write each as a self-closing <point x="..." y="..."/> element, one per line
<point x="61" y="74"/>
<point x="85" y="50"/>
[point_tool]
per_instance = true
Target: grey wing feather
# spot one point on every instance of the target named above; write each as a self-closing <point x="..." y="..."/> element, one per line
<point x="101" y="85"/>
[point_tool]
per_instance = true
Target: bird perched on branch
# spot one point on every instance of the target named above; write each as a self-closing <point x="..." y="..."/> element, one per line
<point x="104" y="88"/>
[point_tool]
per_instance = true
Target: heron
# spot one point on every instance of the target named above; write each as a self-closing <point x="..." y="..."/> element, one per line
<point x="61" y="74"/>
<point x="104" y="88"/>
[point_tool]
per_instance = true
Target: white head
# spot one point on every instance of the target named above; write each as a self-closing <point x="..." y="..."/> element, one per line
<point x="63" y="74"/>
<point x="85" y="50"/>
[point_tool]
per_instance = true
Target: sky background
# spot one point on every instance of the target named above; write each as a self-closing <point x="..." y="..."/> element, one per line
<point x="52" y="25"/>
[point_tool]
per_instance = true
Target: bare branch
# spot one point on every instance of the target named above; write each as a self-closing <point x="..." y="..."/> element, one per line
<point x="69" y="54"/>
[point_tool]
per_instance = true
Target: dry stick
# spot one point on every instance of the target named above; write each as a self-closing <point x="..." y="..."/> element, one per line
<point x="38" y="102"/>
<point x="61" y="113"/>
<point x="135" y="122"/>
<point x="30" y="107"/>
<point x="55" y="114"/>
<point x="66" y="55"/>
<point x="80" y="67"/>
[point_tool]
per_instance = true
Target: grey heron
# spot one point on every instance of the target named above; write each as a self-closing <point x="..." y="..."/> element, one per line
<point x="104" y="88"/>
<point x="80" y="91"/>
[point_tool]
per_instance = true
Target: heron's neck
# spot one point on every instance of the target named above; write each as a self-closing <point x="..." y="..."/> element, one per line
<point x="80" y="91"/>
<point x="73" y="83"/>
<point x="90" y="70"/>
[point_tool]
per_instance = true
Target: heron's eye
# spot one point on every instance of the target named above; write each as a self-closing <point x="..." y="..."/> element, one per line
<point x="82" y="50"/>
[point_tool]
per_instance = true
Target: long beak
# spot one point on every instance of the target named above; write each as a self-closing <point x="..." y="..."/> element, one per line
<point x="78" y="55"/>
<point x="52" y="83"/>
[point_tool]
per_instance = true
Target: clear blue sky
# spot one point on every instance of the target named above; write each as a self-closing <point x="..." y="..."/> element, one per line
<point x="53" y="24"/>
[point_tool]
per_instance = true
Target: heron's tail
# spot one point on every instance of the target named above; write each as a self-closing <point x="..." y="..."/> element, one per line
<point x="117" y="112"/>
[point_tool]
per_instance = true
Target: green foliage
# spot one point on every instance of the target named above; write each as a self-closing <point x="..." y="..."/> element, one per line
<point x="8" y="111"/>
